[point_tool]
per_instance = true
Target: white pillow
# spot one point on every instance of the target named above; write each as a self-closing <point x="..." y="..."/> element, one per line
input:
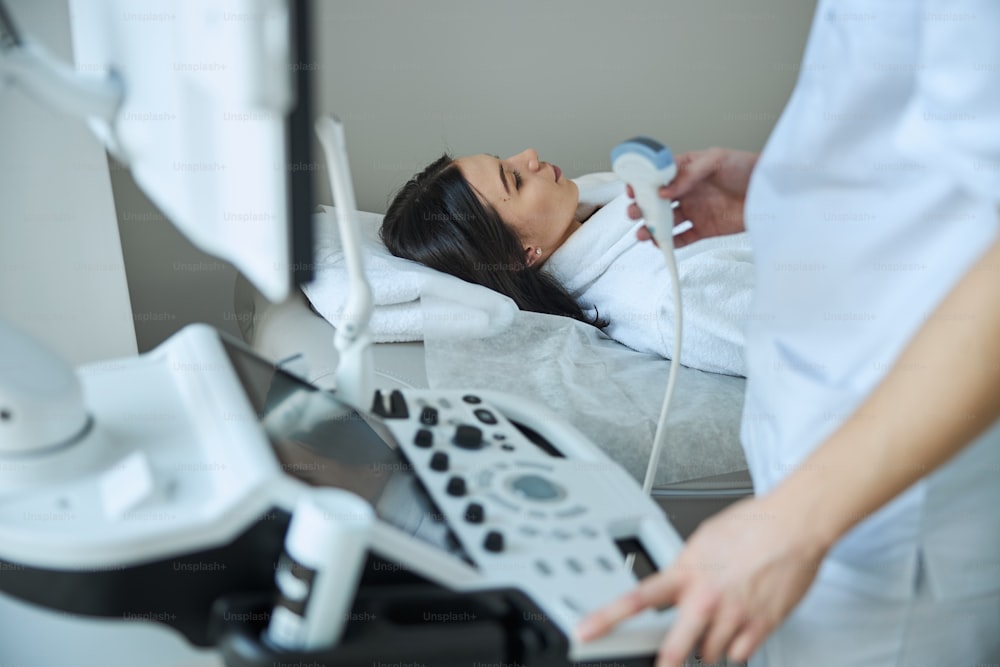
<point x="409" y="298"/>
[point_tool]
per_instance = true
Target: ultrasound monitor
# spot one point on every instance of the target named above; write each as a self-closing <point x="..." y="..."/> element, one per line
<point x="215" y="122"/>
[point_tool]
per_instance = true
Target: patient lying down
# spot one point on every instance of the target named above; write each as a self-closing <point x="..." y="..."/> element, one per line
<point x="562" y="247"/>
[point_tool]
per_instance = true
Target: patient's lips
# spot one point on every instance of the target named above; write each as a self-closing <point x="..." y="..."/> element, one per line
<point x="558" y="172"/>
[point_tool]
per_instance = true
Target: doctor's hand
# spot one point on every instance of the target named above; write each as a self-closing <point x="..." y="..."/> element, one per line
<point x="739" y="575"/>
<point x="711" y="187"/>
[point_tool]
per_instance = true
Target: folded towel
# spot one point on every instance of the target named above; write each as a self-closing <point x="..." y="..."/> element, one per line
<point x="409" y="298"/>
<point x="605" y="267"/>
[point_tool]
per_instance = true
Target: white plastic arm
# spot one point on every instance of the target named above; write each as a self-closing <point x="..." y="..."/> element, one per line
<point x="30" y="66"/>
<point x="355" y="376"/>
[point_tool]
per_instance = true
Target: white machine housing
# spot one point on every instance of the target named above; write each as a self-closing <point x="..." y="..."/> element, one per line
<point x="197" y="469"/>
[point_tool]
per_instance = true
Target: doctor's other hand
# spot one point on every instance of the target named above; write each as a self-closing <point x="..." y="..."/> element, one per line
<point x="737" y="578"/>
<point x="711" y="187"/>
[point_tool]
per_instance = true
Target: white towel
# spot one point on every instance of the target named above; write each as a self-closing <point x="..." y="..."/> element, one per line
<point x="605" y="267"/>
<point x="410" y="299"/>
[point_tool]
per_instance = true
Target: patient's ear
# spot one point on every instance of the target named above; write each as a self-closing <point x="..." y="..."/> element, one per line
<point x="531" y="255"/>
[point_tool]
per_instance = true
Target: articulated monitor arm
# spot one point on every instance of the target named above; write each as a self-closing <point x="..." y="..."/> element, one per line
<point x="355" y="369"/>
<point x="42" y="76"/>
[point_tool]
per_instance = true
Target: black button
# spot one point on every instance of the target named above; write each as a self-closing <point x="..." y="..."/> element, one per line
<point x="456" y="486"/>
<point x="475" y="513"/>
<point x="439" y="461"/>
<point x="429" y="416"/>
<point x="472" y="399"/>
<point x="424" y="438"/>
<point x="378" y="406"/>
<point x="486" y="416"/>
<point x="493" y="541"/>
<point x="397" y="405"/>
<point x="468" y="437"/>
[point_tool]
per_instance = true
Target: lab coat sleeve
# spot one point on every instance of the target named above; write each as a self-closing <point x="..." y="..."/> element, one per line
<point x="953" y="119"/>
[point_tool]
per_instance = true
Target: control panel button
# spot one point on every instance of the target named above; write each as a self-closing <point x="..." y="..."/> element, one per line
<point x="392" y="406"/>
<point x="475" y="513"/>
<point x="456" y="487"/>
<point x="576" y="510"/>
<point x="424" y="438"/>
<point x="485" y="416"/>
<point x="429" y="416"/>
<point x="472" y="399"/>
<point x="536" y="487"/>
<point x="503" y="502"/>
<point x="468" y="437"/>
<point x="493" y="541"/>
<point x="439" y="461"/>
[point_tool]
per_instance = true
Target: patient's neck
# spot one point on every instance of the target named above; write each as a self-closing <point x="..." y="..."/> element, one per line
<point x="584" y="211"/>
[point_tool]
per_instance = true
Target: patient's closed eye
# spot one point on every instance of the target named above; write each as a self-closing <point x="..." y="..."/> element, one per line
<point x="517" y="179"/>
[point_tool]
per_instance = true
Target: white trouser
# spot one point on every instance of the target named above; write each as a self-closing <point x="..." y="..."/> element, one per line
<point x="837" y="626"/>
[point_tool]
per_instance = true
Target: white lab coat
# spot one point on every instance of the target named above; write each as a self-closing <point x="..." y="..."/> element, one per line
<point x="877" y="190"/>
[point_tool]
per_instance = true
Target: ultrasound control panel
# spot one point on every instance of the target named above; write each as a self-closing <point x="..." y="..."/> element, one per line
<point x="532" y="503"/>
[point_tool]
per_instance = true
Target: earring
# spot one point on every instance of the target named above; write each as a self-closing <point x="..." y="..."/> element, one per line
<point x="538" y="251"/>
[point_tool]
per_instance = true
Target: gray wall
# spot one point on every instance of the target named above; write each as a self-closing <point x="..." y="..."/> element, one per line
<point x="570" y="78"/>
<point x="171" y="282"/>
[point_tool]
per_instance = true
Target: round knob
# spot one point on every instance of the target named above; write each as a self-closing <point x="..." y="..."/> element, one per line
<point x="439" y="461"/>
<point x="475" y="513"/>
<point x="493" y="541"/>
<point x="468" y="437"/>
<point x="456" y="487"/>
<point x="423" y="439"/>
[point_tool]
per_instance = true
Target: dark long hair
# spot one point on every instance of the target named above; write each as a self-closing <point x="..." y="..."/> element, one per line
<point x="437" y="219"/>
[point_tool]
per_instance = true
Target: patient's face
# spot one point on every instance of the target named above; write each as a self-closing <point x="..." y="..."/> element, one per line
<point x="532" y="197"/>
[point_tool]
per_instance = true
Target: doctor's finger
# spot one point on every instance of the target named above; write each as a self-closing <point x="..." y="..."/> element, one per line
<point x="728" y="622"/>
<point x="693" y="168"/>
<point x="601" y="622"/>
<point x="658" y="590"/>
<point x="634" y="212"/>
<point x="694" y="618"/>
<point x="686" y="238"/>
<point x="747" y="642"/>
<point x="680" y="217"/>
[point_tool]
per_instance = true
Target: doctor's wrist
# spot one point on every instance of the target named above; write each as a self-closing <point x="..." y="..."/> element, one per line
<point x="808" y="514"/>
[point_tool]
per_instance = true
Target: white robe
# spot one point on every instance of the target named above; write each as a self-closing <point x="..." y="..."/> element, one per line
<point x="604" y="266"/>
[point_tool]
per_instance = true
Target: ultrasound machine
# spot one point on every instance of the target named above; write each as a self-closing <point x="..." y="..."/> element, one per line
<point x="349" y="527"/>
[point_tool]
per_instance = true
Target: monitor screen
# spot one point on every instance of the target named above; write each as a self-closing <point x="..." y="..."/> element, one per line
<point x="215" y="124"/>
<point x="323" y="442"/>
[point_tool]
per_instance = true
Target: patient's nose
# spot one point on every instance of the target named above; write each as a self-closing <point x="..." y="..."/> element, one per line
<point x="527" y="159"/>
